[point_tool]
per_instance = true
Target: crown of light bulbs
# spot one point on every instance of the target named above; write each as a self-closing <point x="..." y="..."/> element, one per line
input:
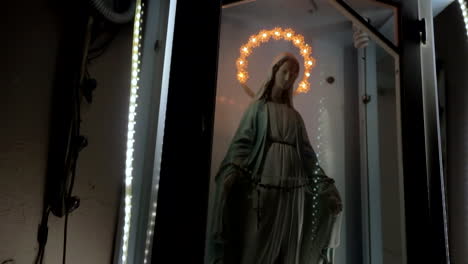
<point x="276" y="34"/>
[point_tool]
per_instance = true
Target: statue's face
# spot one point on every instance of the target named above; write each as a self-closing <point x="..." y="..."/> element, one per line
<point x="286" y="75"/>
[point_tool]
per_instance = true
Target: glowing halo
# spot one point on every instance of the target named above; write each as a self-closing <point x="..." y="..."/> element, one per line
<point x="276" y="34"/>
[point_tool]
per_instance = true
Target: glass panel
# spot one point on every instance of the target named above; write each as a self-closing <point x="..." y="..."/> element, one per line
<point x="392" y="220"/>
<point x="384" y="179"/>
<point x="271" y="198"/>
<point x="451" y="50"/>
<point x="382" y="17"/>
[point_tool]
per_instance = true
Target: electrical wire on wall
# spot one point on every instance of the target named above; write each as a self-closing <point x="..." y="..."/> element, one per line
<point x="98" y="35"/>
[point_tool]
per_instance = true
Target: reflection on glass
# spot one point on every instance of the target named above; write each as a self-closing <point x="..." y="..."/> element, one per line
<point x="381" y="16"/>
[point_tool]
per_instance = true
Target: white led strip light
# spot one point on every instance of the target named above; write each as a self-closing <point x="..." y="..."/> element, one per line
<point x="131" y="127"/>
<point x="464" y="8"/>
<point x="149" y="234"/>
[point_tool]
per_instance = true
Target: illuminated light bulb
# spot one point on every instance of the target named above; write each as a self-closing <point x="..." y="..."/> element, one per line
<point x="128" y="171"/>
<point x="128" y="181"/>
<point x="288" y="35"/>
<point x="264" y="35"/>
<point x="310" y="62"/>
<point x="131" y="125"/>
<point x="254" y="40"/>
<point x="307" y="74"/>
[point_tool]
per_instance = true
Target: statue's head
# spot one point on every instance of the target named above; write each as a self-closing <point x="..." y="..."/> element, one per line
<point x="283" y="74"/>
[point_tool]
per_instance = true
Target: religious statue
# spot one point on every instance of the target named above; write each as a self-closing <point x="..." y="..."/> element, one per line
<point x="273" y="202"/>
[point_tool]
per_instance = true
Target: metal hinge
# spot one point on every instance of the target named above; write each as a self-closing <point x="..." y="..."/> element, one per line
<point x="421" y="27"/>
<point x="366" y="98"/>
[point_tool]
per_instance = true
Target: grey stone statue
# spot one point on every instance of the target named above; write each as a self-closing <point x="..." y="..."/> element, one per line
<point x="273" y="202"/>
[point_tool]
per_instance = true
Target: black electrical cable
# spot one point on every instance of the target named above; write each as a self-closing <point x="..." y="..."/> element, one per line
<point x="104" y="44"/>
<point x="98" y="52"/>
<point x="76" y="143"/>
<point x="76" y="147"/>
<point x="68" y="200"/>
<point x="42" y="236"/>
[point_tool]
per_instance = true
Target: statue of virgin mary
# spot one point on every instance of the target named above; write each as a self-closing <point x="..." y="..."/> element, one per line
<point x="273" y="202"/>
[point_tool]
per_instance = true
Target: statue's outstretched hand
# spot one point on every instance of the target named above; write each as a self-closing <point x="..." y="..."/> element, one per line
<point x="335" y="204"/>
<point x="229" y="182"/>
<point x="334" y="200"/>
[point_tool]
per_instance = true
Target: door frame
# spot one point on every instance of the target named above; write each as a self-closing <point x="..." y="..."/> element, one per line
<point x="186" y="155"/>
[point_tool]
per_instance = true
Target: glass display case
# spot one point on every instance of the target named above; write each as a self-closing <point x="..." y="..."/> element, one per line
<point x="276" y="131"/>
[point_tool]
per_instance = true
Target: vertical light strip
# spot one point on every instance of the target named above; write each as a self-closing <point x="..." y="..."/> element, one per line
<point x="319" y="150"/>
<point x="160" y="130"/>
<point x="131" y="126"/>
<point x="464" y="8"/>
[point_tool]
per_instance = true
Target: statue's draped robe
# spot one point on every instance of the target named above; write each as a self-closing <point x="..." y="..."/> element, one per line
<point x="277" y="210"/>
